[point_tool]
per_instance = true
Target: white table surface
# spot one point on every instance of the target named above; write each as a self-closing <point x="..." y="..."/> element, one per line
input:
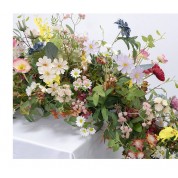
<point x="49" y="138"/>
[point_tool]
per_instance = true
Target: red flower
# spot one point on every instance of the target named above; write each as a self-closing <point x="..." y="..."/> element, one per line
<point x="157" y="71"/>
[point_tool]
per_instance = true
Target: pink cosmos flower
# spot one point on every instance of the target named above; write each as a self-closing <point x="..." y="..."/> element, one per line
<point x="125" y="64"/>
<point x="137" y="75"/>
<point x="174" y="103"/>
<point x="21" y="65"/>
<point x="162" y="59"/>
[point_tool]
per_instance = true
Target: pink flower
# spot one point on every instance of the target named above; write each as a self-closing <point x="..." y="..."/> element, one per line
<point x="14" y="42"/>
<point x="66" y="16"/>
<point x="131" y="154"/>
<point x="140" y="155"/>
<point x="162" y="59"/>
<point x="138" y="143"/>
<point x="122" y="119"/>
<point x="21" y="65"/>
<point x="82" y="16"/>
<point x="174" y="103"/>
<point x="143" y="54"/>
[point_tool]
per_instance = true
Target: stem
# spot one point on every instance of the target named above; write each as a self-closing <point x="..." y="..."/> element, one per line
<point x="116" y="38"/>
<point x="25" y="77"/>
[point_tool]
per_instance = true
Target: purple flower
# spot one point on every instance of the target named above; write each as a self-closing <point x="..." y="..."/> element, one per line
<point x="125" y="64"/>
<point x="174" y="103"/>
<point x="137" y="75"/>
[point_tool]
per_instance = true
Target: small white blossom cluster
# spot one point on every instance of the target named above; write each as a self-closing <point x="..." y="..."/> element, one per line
<point x="161" y="105"/>
<point x="149" y="113"/>
<point x="49" y="69"/>
<point x="80" y="120"/>
<point x="160" y="153"/>
<point x="64" y="93"/>
<point x="33" y="86"/>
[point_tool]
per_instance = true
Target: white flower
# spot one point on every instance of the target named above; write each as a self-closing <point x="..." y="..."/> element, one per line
<point x="91" y="130"/>
<point x="53" y="89"/>
<point x="166" y="110"/>
<point x="158" y="107"/>
<point x="60" y="66"/>
<point x="30" y="88"/>
<point x="47" y="75"/>
<point x="84" y="132"/>
<point x="164" y="102"/>
<point x="75" y="73"/>
<point x="43" y="63"/>
<point x="33" y="85"/>
<point x="80" y="120"/>
<point x="173" y="156"/>
<point x="29" y="91"/>
<point x="43" y="89"/>
<point x="160" y="152"/>
<point x="160" y="122"/>
<point x="158" y="100"/>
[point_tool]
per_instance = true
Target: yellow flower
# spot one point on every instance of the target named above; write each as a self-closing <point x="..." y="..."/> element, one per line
<point x="168" y="133"/>
<point x="45" y="31"/>
<point x="56" y="80"/>
<point x="83" y="57"/>
<point x="130" y="84"/>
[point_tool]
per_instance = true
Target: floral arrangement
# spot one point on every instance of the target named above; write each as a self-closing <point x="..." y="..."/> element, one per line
<point x="93" y="86"/>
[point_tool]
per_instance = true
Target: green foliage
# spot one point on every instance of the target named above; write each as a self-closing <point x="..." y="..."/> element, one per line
<point x="137" y="127"/>
<point x="51" y="50"/>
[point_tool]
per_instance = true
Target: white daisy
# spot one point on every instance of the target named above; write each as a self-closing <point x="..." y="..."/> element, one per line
<point x="75" y="73"/>
<point x="91" y="130"/>
<point x="158" y="107"/>
<point x="53" y="89"/>
<point x="173" y="156"/>
<point x="84" y="132"/>
<point x="43" y="63"/>
<point x="80" y="120"/>
<point x="47" y="75"/>
<point x="60" y="66"/>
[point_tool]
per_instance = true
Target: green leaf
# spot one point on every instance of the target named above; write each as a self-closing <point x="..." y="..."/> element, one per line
<point x="51" y="50"/>
<point x="176" y="85"/>
<point x="70" y="29"/>
<point x="29" y="118"/>
<point x="150" y="38"/>
<point x="99" y="90"/>
<point x="19" y="16"/>
<point x="27" y="19"/>
<point x="111" y="143"/>
<point x="71" y="120"/>
<point x="109" y="91"/>
<point x="95" y="99"/>
<point x="144" y="38"/>
<point x="158" y="33"/>
<point x="137" y="127"/>
<point x="116" y="147"/>
<point x="136" y="120"/>
<point x="104" y="112"/>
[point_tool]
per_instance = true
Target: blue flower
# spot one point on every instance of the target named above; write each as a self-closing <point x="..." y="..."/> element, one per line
<point x="37" y="47"/>
<point x="125" y="30"/>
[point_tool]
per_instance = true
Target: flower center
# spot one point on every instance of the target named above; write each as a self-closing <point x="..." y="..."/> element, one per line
<point x="125" y="65"/>
<point x="137" y="75"/>
<point x="45" y="64"/>
<point x="47" y="73"/>
<point x="81" y="121"/>
<point x="21" y="67"/>
<point x="91" y="46"/>
<point x="59" y="66"/>
<point x="75" y="73"/>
